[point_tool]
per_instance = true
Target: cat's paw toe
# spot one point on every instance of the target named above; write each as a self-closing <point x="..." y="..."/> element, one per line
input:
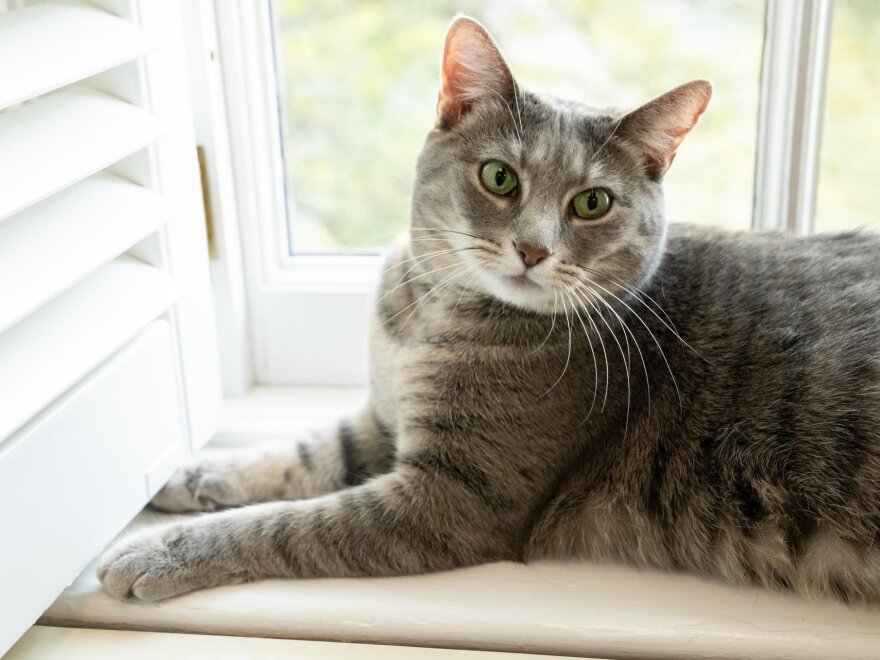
<point x="194" y="488"/>
<point x="143" y="567"/>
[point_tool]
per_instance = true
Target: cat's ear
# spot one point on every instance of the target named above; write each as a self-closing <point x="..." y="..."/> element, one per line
<point x="659" y="126"/>
<point x="472" y="69"/>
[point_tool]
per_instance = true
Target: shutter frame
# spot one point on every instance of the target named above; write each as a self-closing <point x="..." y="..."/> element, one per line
<point x="102" y="237"/>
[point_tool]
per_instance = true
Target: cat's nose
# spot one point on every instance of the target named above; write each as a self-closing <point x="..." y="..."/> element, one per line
<point x="531" y="255"/>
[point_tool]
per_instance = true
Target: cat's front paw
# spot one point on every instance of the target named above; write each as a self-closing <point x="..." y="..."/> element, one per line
<point x="203" y="486"/>
<point x="149" y="566"/>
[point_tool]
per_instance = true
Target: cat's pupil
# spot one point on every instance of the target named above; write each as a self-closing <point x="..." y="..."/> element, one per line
<point x="592" y="201"/>
<point x="500" y="176"/>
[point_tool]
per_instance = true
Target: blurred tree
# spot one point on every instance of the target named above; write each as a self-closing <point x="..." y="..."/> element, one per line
<point x="850" y="166"/>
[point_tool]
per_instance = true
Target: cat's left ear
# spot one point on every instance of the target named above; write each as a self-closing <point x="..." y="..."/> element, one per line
<point x="658" y="127"/>
<point x="472" y="69"/>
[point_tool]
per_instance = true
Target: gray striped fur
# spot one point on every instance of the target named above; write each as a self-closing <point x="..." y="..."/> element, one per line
<point x="686" y="398"/>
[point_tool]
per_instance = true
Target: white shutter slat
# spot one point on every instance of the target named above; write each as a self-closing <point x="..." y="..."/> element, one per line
<point x="56" y="346"/>
<point x="54" y="244"/>
<point x="53" y="44"/>
<point x="73" y="476"/>
<point x="62" y="138"/>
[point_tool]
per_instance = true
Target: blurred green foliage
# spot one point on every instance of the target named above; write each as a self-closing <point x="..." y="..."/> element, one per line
<point x="849" y="172"/>
<point x="360" y="80"/>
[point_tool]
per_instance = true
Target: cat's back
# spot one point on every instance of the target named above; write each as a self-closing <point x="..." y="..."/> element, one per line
<point x="789" y="328"/>
<point x="774" y="291"/>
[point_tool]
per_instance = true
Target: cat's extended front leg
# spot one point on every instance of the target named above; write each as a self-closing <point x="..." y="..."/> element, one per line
<point x="345" y="455"/>
<point x="396" y="524"/>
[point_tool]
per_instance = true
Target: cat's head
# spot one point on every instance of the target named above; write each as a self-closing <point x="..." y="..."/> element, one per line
<point x="531" y="199"/>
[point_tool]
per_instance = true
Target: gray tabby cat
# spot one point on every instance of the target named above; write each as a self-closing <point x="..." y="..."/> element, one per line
<point x="553" y="375"/>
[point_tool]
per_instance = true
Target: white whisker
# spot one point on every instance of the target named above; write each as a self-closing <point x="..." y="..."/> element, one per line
<point x="653" y="336"/>
<point x="591" y="294"/>
<point x="417" y="277"/>
<point x="595" y="327"/>
<point x="568" y="356"/>
<point x="627" y="329"/>
<point x="552" y="324"/>
<point x="423" y="297"/>
<point x="669" y="326"/>
<point x="575" y="306"/>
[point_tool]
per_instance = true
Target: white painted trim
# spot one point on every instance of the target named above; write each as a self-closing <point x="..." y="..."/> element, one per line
<point x="811" y="101"/>
<point x="212" y="134"/>
<point x="182" y="241"/>
<point x="308" y="314"/>
<point x="795" y="62"/>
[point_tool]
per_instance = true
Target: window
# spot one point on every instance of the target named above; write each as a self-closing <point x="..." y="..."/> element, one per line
<point x="359" y="81"/>
<point x="329" y="103"/>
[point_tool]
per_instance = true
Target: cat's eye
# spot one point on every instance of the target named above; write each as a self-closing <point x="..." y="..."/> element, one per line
<point x="591" y="204"/>
<point x="498" y="177"/>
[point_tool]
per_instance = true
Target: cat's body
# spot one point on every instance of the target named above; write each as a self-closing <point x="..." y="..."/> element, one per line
<point x="758" y="459"/>
<point x="689" y="399"/>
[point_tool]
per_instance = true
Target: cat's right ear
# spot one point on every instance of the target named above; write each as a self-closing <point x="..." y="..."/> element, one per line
<point x="472" y="69"/>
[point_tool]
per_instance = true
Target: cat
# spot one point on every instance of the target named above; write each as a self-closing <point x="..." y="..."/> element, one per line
<point x="555" y="373"/>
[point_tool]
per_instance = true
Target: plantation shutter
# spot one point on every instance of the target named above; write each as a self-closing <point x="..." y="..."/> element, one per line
<point x="108" y="365"/>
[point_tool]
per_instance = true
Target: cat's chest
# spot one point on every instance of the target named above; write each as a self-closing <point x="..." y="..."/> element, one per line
<point x="493" y="377"/>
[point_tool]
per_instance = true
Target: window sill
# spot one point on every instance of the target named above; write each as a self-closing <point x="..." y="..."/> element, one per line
<point x="48" y="643"/>
<point x="574" y="609"/>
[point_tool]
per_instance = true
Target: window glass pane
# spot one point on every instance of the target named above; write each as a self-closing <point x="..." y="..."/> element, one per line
<point x="849" y="172"/>
<point x="360" y="82"/>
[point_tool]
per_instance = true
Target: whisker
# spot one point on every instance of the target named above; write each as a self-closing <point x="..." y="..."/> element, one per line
<point x="607" y="140"/>
<point x="595" y="327"/>
<point x="464" y="290"/>
<point x="510" y="111"/>
<point x="426" y="256"/>
<point x="437" y="287"/>
<point x="453" y="231"/>
<point x="399" y="312"/>
<point x="440" y="235"/>
<point x="568" y="356"/>
<point x="592" y="294"/>
<point x="627" y="329"/>
<point x="592" y="352"/>
<point x="669" y="326"/>
<point x="552" y="324"/>
<point x="418" y="277"/>
<point x="637" y="294"/>
<point x="518" y="113"/>
<point x="653" y="336"/>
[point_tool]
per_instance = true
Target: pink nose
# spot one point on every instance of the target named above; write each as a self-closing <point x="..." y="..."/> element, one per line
<point x="531" y="255"/>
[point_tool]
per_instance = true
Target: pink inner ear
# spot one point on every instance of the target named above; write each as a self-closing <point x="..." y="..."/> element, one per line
<point x="680" y="132"/>
<point x="472" y="68"/>
<point x="452" y="101"/>
<point x="670" y="129"/>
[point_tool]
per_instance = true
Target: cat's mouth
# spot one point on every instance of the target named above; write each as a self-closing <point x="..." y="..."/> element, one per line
<point x="522" y="290"/>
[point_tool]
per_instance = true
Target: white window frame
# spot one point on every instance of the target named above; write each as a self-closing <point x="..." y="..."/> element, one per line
<point x="307" y="315"/>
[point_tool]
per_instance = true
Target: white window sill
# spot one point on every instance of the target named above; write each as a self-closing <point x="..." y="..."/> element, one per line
<point x="50" y="643"/>
<point x="572" y="609"/>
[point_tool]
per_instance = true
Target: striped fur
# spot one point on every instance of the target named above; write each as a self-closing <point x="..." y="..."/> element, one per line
<point x="684" y="398"/>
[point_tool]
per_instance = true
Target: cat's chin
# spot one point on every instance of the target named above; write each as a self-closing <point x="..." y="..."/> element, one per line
<point x="521" y="291"/>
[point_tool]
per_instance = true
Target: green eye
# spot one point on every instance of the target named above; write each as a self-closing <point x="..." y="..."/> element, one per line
<point x="498" y="178"/>
<point x="591" y="204"/>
